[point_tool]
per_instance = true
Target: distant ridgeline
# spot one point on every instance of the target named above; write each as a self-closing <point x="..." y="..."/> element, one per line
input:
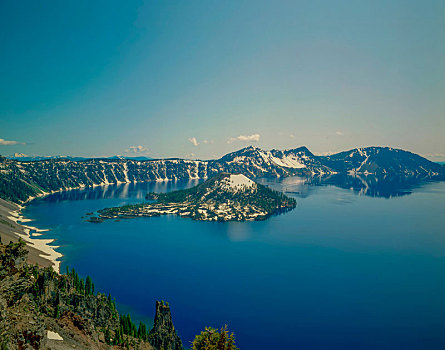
<point x="224" y="197"/>
<point x="21" y="180"/>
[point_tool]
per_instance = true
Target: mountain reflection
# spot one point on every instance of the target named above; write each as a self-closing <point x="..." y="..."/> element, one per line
<point x="136" y="190"/>
<point x="374" y="186"/>
<point x="371" y="185"/>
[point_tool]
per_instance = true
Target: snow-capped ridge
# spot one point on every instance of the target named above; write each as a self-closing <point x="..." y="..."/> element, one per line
<point x="49" y="175"/>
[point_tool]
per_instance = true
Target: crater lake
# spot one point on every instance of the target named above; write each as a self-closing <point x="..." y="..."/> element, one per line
<point x="347" y="268"/>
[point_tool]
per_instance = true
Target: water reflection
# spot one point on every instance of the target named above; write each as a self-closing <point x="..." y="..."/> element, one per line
<point x="237" y="233"/>
<point x="294" y="185"/>
<point x="374" y="186"/>
<point x="136" y="190"/>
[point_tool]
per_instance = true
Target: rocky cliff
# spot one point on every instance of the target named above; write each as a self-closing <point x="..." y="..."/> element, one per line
<point x="41" y="309"/>
<point x="20" y="181"/>
<point x="163" y="334"/>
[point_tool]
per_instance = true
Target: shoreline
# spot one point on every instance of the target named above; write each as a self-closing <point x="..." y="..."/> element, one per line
<point x="14" y="226"/>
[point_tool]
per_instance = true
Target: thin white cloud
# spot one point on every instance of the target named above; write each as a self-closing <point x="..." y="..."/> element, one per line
<point x="248" y="138"/>
<point x="291" y="136"/>
<point x="137" y="150"/>
<point x="339" y="133"/>
<point x="194" y="141"/>
<point x="4" y="142"/>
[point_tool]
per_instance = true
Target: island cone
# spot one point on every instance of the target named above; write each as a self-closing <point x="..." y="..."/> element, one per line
<point x="224" y="197"/>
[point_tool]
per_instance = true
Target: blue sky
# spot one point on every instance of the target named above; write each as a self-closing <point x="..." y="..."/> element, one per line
<point x="202" y="78"/>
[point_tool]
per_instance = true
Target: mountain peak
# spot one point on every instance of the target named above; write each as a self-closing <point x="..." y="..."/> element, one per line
<point x="248" y="149"/>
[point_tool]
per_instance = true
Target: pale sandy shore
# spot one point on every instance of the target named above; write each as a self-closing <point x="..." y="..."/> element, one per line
<point x="14" y="226"/>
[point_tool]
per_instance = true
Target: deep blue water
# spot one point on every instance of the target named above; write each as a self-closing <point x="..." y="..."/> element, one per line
<point x="341" y="271"/>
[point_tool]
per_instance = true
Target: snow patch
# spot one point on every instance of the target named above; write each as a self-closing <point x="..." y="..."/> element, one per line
<point x="239" y="182"/>
<point x="289" y="161"/>
<point x="53" y="335"/>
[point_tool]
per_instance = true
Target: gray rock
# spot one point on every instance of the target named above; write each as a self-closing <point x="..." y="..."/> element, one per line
<point x="163" y="334"/>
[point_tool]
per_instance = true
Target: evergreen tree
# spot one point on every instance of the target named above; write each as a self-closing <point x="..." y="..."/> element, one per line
<point x="222" y="338"/>
<point x="211" y="339"/>
<point x="88" y="286"/>
<point x="231" y="343"/>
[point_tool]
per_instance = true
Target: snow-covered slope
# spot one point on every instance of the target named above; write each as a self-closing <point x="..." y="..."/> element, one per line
<point x="256" y="162"/>
<point x="238" y="183"/>
<point x="382" y="160"/>
<point x="21" y="180"/>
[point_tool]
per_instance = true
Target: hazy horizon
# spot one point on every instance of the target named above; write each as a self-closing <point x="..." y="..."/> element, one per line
<point x="204" y="78"/>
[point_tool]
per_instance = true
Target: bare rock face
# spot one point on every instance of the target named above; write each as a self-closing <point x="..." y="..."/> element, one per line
<point x="163" y="334"/>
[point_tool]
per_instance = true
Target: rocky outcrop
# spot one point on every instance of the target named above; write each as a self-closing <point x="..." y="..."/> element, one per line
<point x="40" y="309"/>
<point x="163" y="334"/>
<point x="35" y="302"/>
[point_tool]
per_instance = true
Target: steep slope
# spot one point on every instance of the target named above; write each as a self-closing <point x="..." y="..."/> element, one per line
<point x="20" y="181"/>
<point x="163" y="334"/>
<point x="224" y="197"/>
<point x="41" y="309"/>
<point x="255" y="162"/>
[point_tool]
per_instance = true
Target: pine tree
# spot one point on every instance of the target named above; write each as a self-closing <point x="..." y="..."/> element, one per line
<point x="231" y="343"/>
<point x="211" y="339"/>
<point x="140" y="331"/>
<point x="88" y="286"/>
<point x="222" y="339"/>
<point x="81" y="287"/>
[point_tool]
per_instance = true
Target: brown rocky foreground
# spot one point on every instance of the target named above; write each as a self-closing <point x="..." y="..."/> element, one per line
<point x="40" y="309"/>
